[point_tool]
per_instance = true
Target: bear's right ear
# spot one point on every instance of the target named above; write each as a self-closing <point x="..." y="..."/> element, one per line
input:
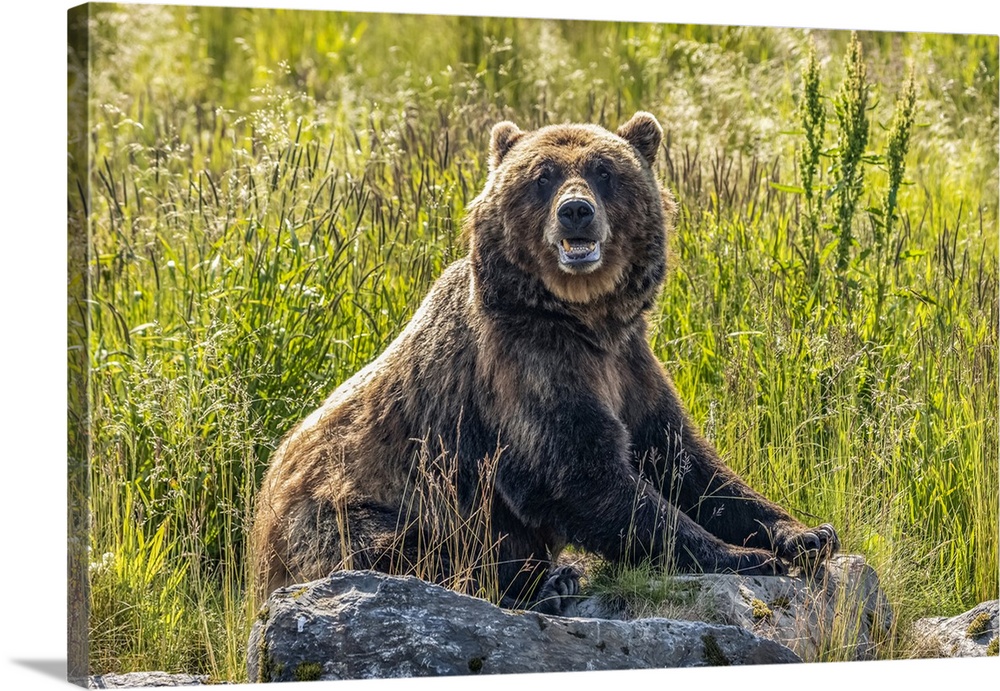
<point x="504" y="135"/>
<point x="644" y="133"/>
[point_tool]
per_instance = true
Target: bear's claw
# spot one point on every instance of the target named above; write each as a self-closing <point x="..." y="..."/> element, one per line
<point x="811" y="545"/>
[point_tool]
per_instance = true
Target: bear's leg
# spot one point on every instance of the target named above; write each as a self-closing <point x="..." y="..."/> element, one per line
<point x="687" y="470"/>
<point x="321" y="538"/>
<point x="576" y="482"/>
<point x="535" y="585"/>
<point x="524" y="572"/>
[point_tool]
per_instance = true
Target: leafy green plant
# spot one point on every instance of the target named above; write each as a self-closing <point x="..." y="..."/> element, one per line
<point x="813" y="115"/>
<point x="895" y="162"/>
<point x="851" y="106"/>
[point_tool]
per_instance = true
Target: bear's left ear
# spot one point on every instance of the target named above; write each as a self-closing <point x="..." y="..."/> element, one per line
<point x="504" y="135"/>
<point x="644" y="133"/>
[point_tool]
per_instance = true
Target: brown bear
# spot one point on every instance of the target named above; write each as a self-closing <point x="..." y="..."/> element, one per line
<point x="531" y="351"/>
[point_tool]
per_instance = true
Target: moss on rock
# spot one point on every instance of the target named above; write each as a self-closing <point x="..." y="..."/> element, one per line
<point x="713" y="653"/>
<point x="979" y="625"/>
<point x="308" y="671"/>
<point x="760" y="609"/>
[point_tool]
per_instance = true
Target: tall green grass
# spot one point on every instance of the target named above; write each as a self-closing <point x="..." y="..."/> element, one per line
<point x="274" y="192"/>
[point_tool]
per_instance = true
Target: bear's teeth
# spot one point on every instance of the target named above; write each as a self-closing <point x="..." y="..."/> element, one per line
<point x="578" y="247"/>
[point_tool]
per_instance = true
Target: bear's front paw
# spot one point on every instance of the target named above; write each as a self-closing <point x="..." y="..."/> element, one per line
<point x="759" y="562"/>
<point x="559" y="589"/>
<point x="810" y="546"/>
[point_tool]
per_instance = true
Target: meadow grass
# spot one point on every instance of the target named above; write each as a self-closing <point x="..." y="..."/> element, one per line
<point x="273" y="192"/>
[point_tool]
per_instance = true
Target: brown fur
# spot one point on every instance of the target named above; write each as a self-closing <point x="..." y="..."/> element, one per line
<point x="543" y="365"/>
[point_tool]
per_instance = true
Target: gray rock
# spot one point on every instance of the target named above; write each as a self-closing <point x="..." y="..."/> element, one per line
<point x="140" y="679"/>
<point x="362" y="624"/>
<point x="965" y="635"/>
<point x="837" y="613"/>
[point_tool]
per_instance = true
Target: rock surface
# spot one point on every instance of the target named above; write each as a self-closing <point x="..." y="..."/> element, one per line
<point x="965" y="635"/>
<point x="837" y="613"/>
<point x="144" y="679"/>
<point x="362" y="624"/>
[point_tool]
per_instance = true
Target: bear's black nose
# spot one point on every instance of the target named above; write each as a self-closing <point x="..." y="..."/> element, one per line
<point x="575" y="214"/>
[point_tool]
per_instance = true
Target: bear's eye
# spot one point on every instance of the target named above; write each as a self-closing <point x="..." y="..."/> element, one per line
<point x="603" y="174"/>
<point x="543" y="180"/>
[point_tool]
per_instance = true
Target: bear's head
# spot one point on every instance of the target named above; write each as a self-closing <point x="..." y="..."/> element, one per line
<point x="576" y="208"/>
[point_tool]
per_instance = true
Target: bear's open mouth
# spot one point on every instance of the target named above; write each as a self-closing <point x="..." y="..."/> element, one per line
<point x="576" y="251"/>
